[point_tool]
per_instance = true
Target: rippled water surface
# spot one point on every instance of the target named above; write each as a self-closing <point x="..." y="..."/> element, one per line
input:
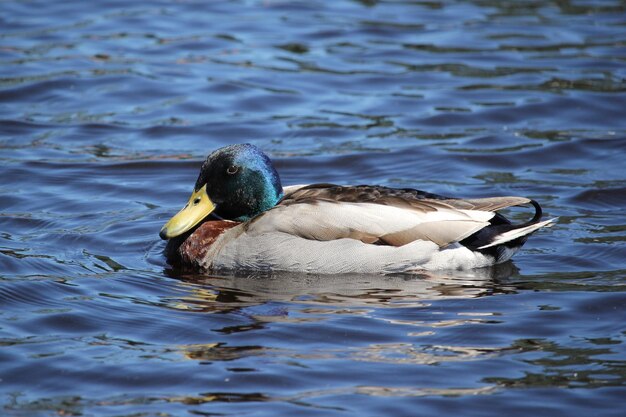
<point x="108" y="108"/>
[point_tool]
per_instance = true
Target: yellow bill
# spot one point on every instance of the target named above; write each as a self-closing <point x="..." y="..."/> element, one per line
<point x="197" y="208"/>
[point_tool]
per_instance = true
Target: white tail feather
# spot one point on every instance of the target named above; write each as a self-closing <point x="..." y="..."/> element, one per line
<point x="516" y="233"/>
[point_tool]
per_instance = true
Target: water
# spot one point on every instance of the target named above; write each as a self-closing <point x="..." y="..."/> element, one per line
<point x="108" y="108"/>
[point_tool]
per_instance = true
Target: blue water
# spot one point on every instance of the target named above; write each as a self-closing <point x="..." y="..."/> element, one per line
<point x="108" y="108"/>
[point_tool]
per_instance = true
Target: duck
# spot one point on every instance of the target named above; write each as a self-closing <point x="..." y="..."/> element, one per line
<point x="240" y="217"/>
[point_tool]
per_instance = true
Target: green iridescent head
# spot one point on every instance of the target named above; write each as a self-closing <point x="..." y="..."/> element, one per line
<point x="236" y="182"/>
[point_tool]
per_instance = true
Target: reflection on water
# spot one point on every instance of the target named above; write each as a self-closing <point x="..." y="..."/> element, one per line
<point x="108" y="109"/>
<point x="349" y="290"/>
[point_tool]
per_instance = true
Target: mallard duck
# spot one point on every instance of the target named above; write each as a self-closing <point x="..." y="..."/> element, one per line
<point x="239" y="216"/>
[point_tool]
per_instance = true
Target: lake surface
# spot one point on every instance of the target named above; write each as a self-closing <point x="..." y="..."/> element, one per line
<point x="108" y="108"/>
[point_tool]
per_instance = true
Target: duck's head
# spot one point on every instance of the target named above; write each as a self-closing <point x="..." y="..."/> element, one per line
<point x="236" y="182"/>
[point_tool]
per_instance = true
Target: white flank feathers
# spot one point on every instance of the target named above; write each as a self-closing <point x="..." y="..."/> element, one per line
<point x="285" y="252"/>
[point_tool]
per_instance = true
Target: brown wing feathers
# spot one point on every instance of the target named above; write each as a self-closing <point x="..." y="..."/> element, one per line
<point x="457" y="227"/>
<point x="416" y="199"/>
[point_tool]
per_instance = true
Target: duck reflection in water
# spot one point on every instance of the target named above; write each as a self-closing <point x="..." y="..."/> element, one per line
<point x="226" y="292"/>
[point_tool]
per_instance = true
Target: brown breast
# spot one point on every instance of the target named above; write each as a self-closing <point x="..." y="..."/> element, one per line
<point x="190" y="249"/>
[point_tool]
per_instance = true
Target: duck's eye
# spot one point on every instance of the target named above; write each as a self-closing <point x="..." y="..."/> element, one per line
<point x="232" y="170"/>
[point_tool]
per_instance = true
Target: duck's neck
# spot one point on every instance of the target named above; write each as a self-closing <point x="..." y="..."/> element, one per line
<point x="268" y="191"/>
<point x="263" y="205"/>
<point x="260" y="193"/>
